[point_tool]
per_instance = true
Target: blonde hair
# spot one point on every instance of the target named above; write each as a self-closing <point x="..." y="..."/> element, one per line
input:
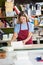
<point x="22" y="14"/>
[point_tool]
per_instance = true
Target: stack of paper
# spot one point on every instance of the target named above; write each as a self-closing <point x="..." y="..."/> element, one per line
<point x="17" y="44"/>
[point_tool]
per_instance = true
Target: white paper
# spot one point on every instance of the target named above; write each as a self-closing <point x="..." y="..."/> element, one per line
<point x="17" y="44"/>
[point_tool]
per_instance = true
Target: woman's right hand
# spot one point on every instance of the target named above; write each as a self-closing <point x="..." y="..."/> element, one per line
<point x="9" y="42"/>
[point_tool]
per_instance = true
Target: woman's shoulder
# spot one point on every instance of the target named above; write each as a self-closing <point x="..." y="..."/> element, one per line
<point x="17" y="25"/>
<point x="17" y="28"/>
<point x="30" y="23"/>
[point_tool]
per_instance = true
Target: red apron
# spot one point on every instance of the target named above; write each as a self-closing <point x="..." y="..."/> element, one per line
<point x="23" y="34"/>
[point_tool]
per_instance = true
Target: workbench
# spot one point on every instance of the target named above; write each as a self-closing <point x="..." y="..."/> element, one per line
<point x="25" y="55"/>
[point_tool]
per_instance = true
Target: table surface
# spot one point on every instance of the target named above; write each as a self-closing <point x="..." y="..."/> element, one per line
<point x="25" y="47"/>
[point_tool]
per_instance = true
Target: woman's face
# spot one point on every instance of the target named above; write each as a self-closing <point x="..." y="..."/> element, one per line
<point x="23" y="19"/>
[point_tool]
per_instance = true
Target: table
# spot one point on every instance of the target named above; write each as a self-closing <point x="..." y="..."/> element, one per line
<point x="23" y="56"/>
<point x="28" y="55"/>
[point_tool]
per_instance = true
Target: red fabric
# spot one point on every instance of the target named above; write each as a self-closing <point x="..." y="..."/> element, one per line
<point x="40" y="61"/>
<point x="23" y="35"/>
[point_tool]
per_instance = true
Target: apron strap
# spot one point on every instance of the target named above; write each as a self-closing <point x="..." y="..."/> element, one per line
<point x="20" y="26"/>
<point x="28" y="25"/>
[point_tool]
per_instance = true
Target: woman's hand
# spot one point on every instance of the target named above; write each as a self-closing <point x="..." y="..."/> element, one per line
<point x="24" y="41"/>
<point x="28" y="38"/>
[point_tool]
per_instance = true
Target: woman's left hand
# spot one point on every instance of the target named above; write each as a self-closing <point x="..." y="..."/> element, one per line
<point x="24" y="41"/>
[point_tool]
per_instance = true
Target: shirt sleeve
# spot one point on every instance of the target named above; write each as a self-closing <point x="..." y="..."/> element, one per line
<point x="17" y="28"/>
<point x="31" y="27"/>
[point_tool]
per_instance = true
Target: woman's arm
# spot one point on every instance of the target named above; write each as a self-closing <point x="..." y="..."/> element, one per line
<point x="28" y="38"/>
<point x="14" y="37"/>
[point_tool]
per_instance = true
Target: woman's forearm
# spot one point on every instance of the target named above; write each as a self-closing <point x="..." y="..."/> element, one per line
<point x="28" y="38"/>
<point x="14" y="37"/>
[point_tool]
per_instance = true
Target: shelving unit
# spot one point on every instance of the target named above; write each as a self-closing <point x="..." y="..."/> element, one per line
<point x="10" y="29"/>
<point x="25" y="55"/>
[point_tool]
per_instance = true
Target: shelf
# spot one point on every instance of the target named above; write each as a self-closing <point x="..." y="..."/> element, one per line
<point x="7" y="30"/>
<point x="4" y="43"/>
<point x="16" y="16"/>
<point x="41" y="26"/>
<point x="38" y="15"/>
<point x="1" y="41"/>
<point x="8" y="16"/>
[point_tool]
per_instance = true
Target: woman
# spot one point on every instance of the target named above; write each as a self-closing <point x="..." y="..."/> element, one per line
<point x="23" y="30"/>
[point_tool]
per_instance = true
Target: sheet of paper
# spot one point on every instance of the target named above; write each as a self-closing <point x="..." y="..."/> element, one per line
<point x="17" y="44"/>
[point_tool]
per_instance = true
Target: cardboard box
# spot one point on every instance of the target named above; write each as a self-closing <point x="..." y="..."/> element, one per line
<point x="2" y="55"/>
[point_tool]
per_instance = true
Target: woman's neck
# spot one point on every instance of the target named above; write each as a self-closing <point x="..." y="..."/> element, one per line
<point x="23" y="22"/>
